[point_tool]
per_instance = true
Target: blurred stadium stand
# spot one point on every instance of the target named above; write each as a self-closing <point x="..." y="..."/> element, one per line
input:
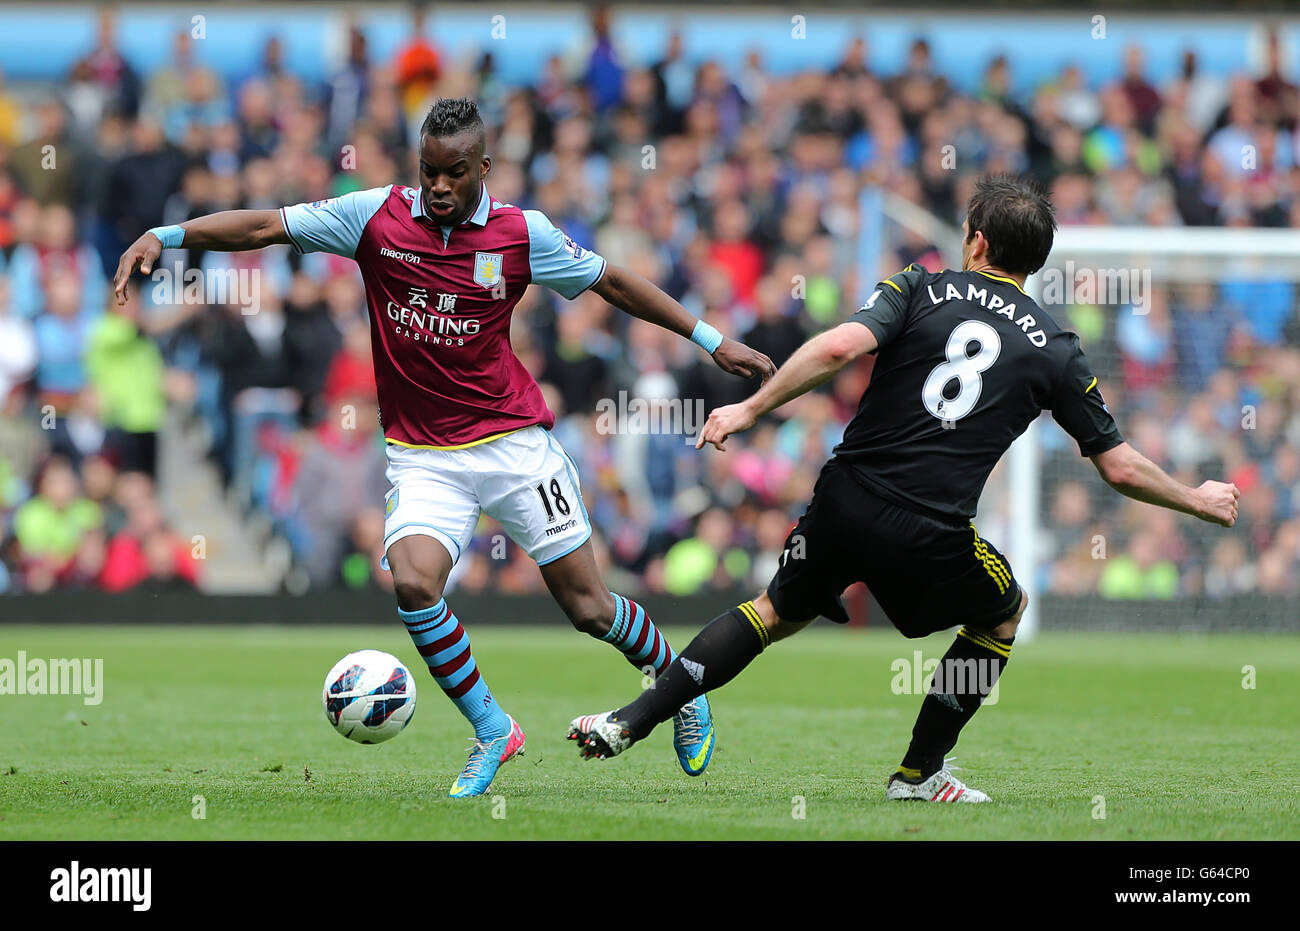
<point x="164" y="447"/>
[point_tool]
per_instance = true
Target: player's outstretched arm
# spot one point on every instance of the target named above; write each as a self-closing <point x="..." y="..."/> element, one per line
<point x="813" y="363"/>
<point x="1133" y="474"/>
<point x="227" y="231"/>
<point x="634" y="295"/>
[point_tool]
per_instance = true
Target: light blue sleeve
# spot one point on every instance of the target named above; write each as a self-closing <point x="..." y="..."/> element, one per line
<point x="26" y="294"/>
<point x="557" y="261"/>
<point x="334" y="225"/>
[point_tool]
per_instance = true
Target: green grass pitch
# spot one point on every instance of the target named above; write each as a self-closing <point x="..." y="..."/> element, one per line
<point x="1159" y="726"/>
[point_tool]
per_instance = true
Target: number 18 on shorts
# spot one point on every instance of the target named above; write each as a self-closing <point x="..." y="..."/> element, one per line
<point x="524" y="480"/>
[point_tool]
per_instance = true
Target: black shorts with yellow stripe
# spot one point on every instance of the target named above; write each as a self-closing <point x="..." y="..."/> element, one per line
<point x="926" y="573"/>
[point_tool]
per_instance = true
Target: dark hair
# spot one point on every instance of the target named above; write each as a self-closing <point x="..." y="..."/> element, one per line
<point x="1016" y="217"/>
<point x="451" y="117"/>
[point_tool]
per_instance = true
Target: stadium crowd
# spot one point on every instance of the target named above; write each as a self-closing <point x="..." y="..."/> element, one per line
<point x="735" y="190"/>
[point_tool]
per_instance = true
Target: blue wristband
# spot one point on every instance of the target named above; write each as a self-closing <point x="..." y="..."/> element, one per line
<point x="170" y="236"/>
<point x="706" y="337"/>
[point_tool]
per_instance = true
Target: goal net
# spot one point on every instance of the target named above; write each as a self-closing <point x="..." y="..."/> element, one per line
<point x="1193" y="334"/>
<point x="1195" y="338"/>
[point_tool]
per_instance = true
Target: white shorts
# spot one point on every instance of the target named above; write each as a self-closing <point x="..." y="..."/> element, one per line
<point x="524" y="480"/>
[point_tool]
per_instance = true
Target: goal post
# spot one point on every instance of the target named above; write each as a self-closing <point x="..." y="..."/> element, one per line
<point x="1129" y="287"/>
<point x="1123" y="289"/>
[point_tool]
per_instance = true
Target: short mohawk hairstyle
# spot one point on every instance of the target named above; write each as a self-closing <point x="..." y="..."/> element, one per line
<point x="452" y="116"/>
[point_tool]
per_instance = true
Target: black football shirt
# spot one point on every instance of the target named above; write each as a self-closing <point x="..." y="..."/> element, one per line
<point x="966" y="361"/>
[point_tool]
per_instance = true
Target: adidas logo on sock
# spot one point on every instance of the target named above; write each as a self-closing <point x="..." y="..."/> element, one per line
<point x="694" y="670"/>
<point x="948" y="699"/>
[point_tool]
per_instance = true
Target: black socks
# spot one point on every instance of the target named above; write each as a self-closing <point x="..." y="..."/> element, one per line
<point x="965" y="676"/>
<point x="718" y="653"/>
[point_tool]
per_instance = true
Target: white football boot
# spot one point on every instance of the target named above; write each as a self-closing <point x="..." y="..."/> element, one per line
<point x="943" y="786"/>
<point x="598" y="737"/>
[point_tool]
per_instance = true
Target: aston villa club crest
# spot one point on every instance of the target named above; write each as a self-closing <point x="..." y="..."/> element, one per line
<point x="487" y="268"/>
<point x="391" y="504"/>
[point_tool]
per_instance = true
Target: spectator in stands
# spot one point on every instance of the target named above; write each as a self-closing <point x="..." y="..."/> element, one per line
<point x="1140" y="572"/>
<point x="576" y="364"/>
<point x="50" y="526"/>
<point x="1142" y="97"/>
<point x="125" y="369"/>
<point x="139" y="184"/>
<point x="362" y="566"/>
<point x="55" y="254"/>
<point x="108" y="83"/>
<point x="46" y="166"/>
<point x="1229" y="572"/>
<point x="18" y="355"/>
<point x="417" y="68"/>
<point x="310" y="337"/>
<point x="777" y="332"/>
<point x="748" y="212"/>
<point x="182" y="89"/>
<point x="601" y="62"/>
<point x="62" y="334"/>
<point x="339" y="477"/>
<point x="1278" y="95"/>
<point x="11" y="116"/>
<point x="348" y="88"/>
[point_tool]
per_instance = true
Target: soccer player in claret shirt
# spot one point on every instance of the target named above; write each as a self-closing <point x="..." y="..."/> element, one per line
<point x="965" y="361"/>
<point x="467" y="430"/>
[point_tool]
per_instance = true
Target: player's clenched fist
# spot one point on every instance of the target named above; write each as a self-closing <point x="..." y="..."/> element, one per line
<point x="724" y="421"/>
<point x="738" y="359"/>
<point x="1220" y="502"/>
<point x="142" y="254"/>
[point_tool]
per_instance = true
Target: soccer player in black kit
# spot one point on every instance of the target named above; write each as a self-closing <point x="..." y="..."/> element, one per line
<point x="965" y="361"/>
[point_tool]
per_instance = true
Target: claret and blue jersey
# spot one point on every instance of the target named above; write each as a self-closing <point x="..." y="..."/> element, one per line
<point x="440" y="301"/>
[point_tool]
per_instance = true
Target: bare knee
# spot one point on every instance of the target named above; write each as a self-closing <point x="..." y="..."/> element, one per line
<point x="417" y="591"/>
<point x="1007" y="629"/>
<point x="777" y="628"/>
<point x="420" y="566"/>
<point x="590" y="612"/>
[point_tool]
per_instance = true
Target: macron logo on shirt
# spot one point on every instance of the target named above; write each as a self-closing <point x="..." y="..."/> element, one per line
<point x="403" y="256"/>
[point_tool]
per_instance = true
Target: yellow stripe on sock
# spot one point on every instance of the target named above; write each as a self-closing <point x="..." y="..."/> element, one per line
<point x="994" y="648"/>
<point x="751" y="613"/>
<point x="908" y="772"/>
<point x="985" y="641"/>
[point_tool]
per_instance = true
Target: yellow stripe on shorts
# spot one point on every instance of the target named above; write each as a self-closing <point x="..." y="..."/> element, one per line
<point x="992" y="565"/>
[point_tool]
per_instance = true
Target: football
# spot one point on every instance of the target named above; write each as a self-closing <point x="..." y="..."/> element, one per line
<point x="369" y="696"/>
